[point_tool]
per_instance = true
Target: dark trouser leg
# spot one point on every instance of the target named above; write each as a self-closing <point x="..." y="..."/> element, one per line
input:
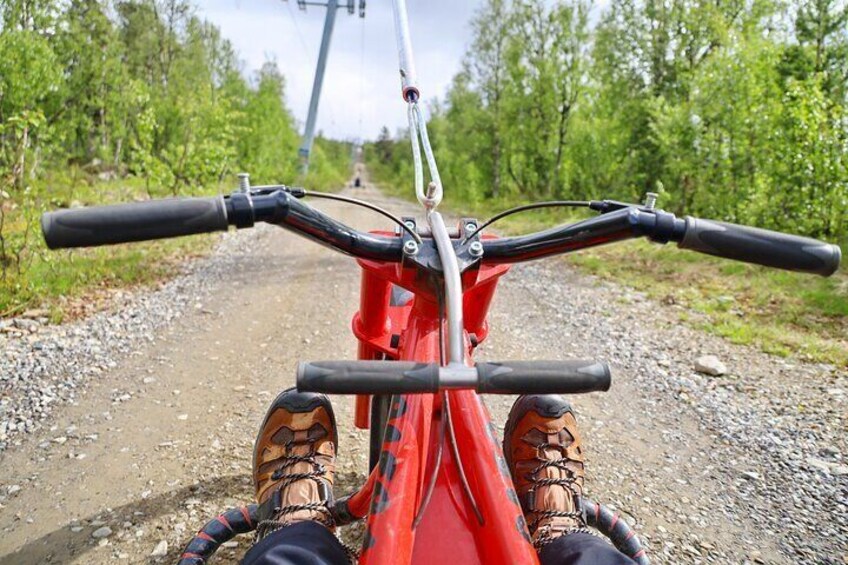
<point x="304" y="543"/>
<point x="582" y="549"/>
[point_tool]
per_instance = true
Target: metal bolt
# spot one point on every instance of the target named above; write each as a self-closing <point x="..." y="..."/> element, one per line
<point x="410" y="224"/>
<point x="476" y="249"/>
<point x="651" y="200"/>
<point x="410" y="248"/>
<point x="470" y="227"/>
<point x="244" y="182"/>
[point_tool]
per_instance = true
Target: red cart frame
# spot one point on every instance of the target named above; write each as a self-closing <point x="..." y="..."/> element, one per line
<point x="472" y="497"/>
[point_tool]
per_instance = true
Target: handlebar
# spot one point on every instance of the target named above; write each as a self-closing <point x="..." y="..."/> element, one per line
<point x="137" y="221"/>
<point x="156" y="219"/>
<point x="171" y="217"/>
<point x="763" y="247"/>
<point x="722" y="239"/>
<point x="405" y="377"/>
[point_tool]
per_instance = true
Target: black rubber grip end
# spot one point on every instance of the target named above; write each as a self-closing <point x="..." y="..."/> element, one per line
<point x="137" y="221"/>
<point x="367" y="377"/>
<point x="543" y="377"/>
<point x="762" y="247"/>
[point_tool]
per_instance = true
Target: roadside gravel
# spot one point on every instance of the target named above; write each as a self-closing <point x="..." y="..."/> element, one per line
<point x="42" y="366"/>
<point x="767" y="455"/>
<point x="124" y="431"/>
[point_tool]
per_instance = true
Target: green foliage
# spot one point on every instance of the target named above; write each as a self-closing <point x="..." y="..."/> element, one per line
<point x="140" y="90"/>
<point x="272" y="131"/>
<point x="329" y="164"/>
<point x="29" y="72"/>
<point x="733" y="111"/>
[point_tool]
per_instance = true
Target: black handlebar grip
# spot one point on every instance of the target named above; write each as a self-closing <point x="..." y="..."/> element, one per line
<point x="543" y="377"/>
<point x="763" y="247"/>
<point x="367" y="377"/>
<point x="137" y="221"/>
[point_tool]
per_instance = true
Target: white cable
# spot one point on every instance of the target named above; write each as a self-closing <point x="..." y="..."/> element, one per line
<point x="432" y="196"/>
<point x="416" y="155"/>
<point x="436" y="197"/>
<point x="408" y="78"/>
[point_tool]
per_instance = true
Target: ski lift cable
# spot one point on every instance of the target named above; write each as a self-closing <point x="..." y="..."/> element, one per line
<point x="303" y="45"/>
<point x="308" y="53"/>
<point x="361" y="76"/>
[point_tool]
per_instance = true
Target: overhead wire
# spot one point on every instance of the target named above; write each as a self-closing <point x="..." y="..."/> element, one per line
<point x="361" y="76"/>
<point x="297" y="30"/>
<point x="312" y="60"/>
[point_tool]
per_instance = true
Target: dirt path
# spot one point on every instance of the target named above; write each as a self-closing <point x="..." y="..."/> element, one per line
<point x="159" y="443"/>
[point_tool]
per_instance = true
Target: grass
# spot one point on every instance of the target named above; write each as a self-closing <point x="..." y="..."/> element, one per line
<point x="59" y="281"/>
<point x="66" y="283"/>
<point x="783" y="313"/>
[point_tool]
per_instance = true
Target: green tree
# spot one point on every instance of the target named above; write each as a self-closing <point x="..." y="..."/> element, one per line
<point x="93" y="108"/>
<point x="734" y="110"/>
<point x="821" y="27"/>
<point x="487" y="70"/>
<point x="546" y="59"/>
<point x="269" y="147"/>
<point x="29" y="74"/>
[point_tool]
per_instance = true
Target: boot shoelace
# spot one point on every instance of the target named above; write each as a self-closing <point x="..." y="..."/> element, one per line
<point x="318" y="472"/>
<point x="545" y="535"/>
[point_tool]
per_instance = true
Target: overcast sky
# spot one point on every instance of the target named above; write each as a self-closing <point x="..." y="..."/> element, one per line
<point x="361" y="86"/>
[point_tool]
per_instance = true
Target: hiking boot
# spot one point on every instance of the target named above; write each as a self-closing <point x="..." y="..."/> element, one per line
<point x="544" y="455"/>
<point x="294" y="460"/>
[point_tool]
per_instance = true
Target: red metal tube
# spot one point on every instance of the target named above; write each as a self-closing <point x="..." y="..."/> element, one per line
<point x="371" y="322"/>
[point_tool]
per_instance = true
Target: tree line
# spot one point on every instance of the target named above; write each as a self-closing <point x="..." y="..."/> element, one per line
<point x="731" y="109"/>
<point x="139" y="89"/>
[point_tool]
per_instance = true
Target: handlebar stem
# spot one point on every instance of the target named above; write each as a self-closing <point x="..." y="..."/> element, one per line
<point x="453" y="288"/>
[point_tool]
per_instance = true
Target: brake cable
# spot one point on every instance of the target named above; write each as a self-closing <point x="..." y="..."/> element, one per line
<point x="524" y="208"/>
<point x="300" y="192"/>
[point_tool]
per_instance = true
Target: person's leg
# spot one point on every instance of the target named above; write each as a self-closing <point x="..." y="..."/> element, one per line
<point x="581" y="549"/>
<point x="545" y="457"/>
<point x="304" y="543"/>
<point x="293" y="467"/>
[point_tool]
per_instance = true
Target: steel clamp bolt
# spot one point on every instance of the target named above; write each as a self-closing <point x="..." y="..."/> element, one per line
<point x="651" y="200"/>
<point x="470" y="227"/>
<point x="410" y="248"/>
<point x="244" y="182"/>
<point x="476" y="249"/>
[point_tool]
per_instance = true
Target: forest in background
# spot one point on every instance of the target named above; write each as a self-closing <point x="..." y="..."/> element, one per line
<point x="109" y="100"/>
<point x="730" y="109"/>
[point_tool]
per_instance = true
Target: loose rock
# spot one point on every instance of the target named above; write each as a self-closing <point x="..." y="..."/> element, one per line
<point x="103" y="532"/>
<point x="710" y="365"/>
<point x="161" y="549"/>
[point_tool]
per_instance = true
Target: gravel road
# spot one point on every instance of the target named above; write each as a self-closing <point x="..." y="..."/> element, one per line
<point x="120" y="434"/>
